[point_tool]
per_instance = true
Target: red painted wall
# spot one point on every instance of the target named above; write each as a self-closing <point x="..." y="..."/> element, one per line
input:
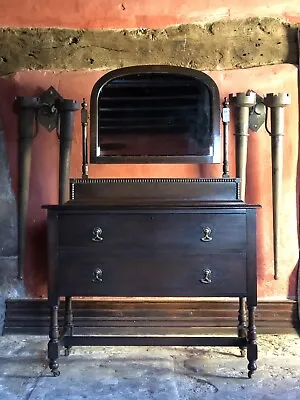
<point x="95" y="14"/>
<point x="44" y="176"/>
<point x="75" y="85"/>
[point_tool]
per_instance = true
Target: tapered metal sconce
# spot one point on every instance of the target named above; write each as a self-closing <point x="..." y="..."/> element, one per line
<point x="277" y="103"/>
<point x="51" y="111"/>
<point x="26" y="108"/>
<point x="66" y="110"/>
<point x="251" y="113"/>
<point x="242" y="102"/>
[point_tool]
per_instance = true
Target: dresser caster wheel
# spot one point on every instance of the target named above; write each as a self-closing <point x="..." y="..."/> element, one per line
<point x="56" y="372"/>
<point x="251" y="368"/>
<point x="67" y="351"/>
<point x="53" y="366"/>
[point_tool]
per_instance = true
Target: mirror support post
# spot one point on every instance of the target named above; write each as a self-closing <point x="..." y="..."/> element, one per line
<point x="84" y="126"/>
<point x="226" y="120"/>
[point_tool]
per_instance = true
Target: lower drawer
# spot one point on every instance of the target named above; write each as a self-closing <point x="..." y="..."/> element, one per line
<point x="87" y="274"/>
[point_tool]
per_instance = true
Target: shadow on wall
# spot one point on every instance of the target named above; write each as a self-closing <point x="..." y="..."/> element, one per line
<point x="9" y="285"/>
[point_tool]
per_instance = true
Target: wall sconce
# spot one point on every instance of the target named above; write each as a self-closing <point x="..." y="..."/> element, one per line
<point x="277" y="103"/>
<point x="251" y="113"/>
<point x="52" y="111"/>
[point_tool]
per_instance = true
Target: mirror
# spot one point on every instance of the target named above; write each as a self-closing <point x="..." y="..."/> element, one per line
<point x="155" y="114"/>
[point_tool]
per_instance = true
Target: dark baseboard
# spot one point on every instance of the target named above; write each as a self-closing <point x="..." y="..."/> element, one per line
<point x="31" y="317"/>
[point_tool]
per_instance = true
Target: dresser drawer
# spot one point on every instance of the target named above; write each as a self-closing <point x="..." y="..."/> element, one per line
<point x="204" y="231"/>
<point x="162" y="274"/>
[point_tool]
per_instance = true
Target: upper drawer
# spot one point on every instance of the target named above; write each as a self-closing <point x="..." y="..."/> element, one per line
<point x="203" y="231"/>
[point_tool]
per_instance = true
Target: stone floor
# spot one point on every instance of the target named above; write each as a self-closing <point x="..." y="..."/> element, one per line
<point x="144" y="373"/>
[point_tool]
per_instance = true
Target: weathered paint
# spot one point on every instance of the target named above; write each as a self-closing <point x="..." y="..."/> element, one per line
<point x="76" y="85"/>
<point x="95" y="14"/>
<point x="79" y="14"/>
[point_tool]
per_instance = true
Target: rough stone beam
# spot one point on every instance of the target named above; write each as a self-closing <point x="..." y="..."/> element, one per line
<point x="220" y="45"/>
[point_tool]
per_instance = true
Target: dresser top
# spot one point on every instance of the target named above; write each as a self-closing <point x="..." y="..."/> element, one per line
<point x="149" y="204"/>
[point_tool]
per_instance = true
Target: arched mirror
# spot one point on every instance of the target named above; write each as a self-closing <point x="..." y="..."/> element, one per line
<point x="155" y="114"/>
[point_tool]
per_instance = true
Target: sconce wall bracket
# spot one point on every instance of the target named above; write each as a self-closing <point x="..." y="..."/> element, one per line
<point x="52" y="111"/>
<point x="257" y="114"/>
<point x="48" y="113"/>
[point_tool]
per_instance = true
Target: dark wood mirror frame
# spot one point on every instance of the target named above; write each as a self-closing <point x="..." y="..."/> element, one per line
<point x="203" y="80"/>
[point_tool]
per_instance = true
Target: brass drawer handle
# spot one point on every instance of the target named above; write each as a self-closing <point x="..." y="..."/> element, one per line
<point x="207" y="276"/>
<point x="206" y="232"/>
<point x="97" y="232"/>
<point x="98" y="274"/>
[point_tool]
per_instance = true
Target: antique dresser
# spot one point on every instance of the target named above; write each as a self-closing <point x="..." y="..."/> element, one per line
<point x="155" y="237"/>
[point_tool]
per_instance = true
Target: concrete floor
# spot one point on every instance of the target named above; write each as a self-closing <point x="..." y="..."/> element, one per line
<point x="144" y="373"/>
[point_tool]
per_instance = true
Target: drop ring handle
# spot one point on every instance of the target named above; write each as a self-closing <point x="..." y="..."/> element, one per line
<point x="97" y="232"/>
<point x="207" y="276"/>
<point x="98" y="275"/>
<point x="206" y="233"/>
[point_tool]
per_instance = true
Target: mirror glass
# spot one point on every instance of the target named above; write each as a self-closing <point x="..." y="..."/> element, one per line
<point x="156" y="116"/>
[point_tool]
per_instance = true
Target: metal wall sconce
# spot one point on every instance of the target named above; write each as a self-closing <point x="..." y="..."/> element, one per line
<point x="251" y="113"/>
<point x="53" y="112"/>
<point x="243" y="102"/>
<point x="277" y="103"/>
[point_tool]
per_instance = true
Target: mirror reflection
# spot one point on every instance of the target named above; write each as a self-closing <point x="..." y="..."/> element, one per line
<point x="155" y="114"/>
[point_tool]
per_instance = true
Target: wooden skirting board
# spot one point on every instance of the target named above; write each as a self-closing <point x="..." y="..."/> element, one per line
<point x="31" y="316"/>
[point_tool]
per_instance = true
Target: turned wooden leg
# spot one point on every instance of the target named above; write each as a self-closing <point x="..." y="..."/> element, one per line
<point x="68" y="321"/>
<point x="251" y="342"/>
<point x="53" y="353"/>
<point x="242" y="329"/>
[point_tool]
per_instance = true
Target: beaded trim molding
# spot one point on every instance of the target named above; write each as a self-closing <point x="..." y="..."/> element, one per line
<point x="75" y="181"/>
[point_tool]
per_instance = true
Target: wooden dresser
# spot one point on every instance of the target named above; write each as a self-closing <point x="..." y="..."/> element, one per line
<point x="190" y="238"/>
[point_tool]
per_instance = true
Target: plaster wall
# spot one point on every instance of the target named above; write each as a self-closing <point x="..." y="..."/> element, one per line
<point x="95" y="14"/>
<point x="9" y="286"/>
<point x="78" y="84"/>
<point x="44" y="175"/>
